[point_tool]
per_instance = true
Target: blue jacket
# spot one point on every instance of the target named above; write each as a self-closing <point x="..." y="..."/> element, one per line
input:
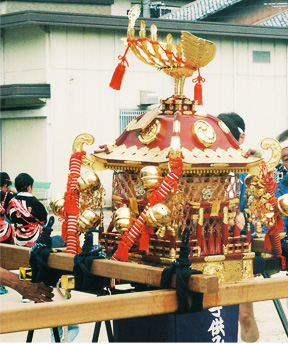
<point x="283" y="189"/>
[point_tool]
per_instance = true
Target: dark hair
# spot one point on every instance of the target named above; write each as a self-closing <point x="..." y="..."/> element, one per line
<point x="233" y="122"/>
<point x="283" y="136"/>
<point x="22" y="181"/>
<point x="5" y="179"/>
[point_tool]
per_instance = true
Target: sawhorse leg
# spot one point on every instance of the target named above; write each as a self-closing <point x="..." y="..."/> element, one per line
<point x="108" y="330"/>
<point x="55" y="332"/>
<point x="279" y="308"/>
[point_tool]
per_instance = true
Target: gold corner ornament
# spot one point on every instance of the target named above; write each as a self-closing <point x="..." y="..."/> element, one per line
<point x="79" y="141"/>
<point x="88" y="161"/>
<point x="276" y="149"/>
<point x="204" y="133"/>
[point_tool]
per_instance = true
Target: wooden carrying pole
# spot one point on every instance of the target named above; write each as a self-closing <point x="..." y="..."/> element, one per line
<point x="13" y="257"/>
<point x="93" y="308"/>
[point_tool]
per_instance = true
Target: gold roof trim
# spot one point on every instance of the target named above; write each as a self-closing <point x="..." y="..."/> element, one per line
<point x="196" y="156"/>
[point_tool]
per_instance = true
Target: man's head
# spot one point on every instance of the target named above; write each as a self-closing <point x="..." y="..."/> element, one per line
<point x="24" y="182"/>
<point x="283" y="139"/>
<point x="284" y="157"/>
<point x="235" y="123"/>
<point x="283" y="136"/>
<point x="5" y="181"/>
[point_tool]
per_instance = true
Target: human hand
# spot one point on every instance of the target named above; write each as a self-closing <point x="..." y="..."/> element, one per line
<point x="240" y="221"/>
<point x="12" y="189"/>
<point x="38" y="292"/>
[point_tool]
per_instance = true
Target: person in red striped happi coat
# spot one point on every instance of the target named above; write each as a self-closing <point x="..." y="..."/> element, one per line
<point x="26" y="212"/>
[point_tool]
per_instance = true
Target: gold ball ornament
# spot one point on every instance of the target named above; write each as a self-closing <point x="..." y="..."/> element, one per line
<point x="159" y="215"/>
<point x="88" y="182"/>
<point x="88" y="219"/>
<point x="283" y="205"/>
<point x="150" y="176"/>
<point x="122" y="219"/>
<point x="57" y="204"/>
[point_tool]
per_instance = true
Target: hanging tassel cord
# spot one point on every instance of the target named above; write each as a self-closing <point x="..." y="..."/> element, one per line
<point x="182" y="268"/>
<point x="39" y="254"/>
<point x="84" y="279"/>
<point x="198" y="88"/>
<point x="119" y="72"/>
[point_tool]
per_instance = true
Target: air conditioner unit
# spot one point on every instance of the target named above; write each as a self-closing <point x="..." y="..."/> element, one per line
<point x="148" y="98"/>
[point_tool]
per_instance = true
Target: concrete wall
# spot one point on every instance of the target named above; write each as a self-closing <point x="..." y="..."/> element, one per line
<point x="79" y="63"/>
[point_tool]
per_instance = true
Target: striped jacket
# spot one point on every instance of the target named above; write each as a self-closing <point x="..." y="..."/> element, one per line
<point x="6" y="229"/>
<point x="28" y="215"/>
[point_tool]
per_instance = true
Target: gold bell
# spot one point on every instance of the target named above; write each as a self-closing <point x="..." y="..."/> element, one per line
<point x="88" y="219"/>
<point x="88" y="182"/>
<point x="159" y="215"/>
<point x="283" y="205"/>
<point x="122" y="219"/>
<point x="150" y="177"/>
<point x="57" y="204"/>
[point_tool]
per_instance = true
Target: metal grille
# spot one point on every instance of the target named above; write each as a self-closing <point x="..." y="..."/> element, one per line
<point x="126" y="116"/>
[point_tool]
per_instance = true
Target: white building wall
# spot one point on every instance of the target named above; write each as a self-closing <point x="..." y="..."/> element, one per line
<point x="79" y="63"/>
<point x="24" y="55"/>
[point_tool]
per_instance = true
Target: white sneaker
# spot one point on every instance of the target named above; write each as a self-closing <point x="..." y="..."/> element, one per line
<point x="24" y="300"/>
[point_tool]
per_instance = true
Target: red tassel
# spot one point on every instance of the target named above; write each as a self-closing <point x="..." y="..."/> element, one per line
<point x="144" y="241"/>
<point x="204" y="250"/>
<point x="64" y="231"/>
<point x="119" y="72"/>
<point x="198" y="93"/>
<point x="122" y="251"/>
<point x="198" y="88"/>
<point x="117" y="77"/>
<point x="218" y="244"/>
<point x="211" y="245"/>
<point x="267" y="242"/>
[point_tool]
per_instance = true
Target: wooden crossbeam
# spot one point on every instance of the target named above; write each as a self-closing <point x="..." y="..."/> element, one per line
<point x="13" y="257"/>
<point x="93" y="308"/>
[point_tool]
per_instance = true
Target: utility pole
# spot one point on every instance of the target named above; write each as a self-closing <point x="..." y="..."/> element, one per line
<point x="146" y="8"/>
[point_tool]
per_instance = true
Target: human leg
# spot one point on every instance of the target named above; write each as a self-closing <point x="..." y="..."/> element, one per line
<point x="248" y="326"/>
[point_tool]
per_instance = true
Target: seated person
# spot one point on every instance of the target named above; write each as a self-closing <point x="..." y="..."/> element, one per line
<point x="26" y="212"/>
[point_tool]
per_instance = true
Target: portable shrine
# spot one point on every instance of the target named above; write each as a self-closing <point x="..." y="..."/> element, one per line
<point x="177" y="168"/>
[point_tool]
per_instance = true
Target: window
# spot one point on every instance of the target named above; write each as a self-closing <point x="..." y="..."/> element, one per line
<point x="261" y="56"/>
<point x="126" y="116"/>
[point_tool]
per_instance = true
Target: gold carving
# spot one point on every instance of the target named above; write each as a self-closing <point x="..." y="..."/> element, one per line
<point x="204" y="132"/>
<point x="178" y="61"/>
<point x="217" y="258"/>
<point x="224" y="127"/>
<point x="275" y="146"/>
<point x="80" y="140"/>
<point x="216" y="269"/>
<point x="144" y="121"/>
<point x="233" y="270"/>
<point x="149" y="134"/>
<point x="198" y="52"/>
<point x="88" y="161"/>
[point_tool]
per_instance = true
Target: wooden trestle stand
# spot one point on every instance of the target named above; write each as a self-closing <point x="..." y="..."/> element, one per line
<point x="102" y="308"/>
